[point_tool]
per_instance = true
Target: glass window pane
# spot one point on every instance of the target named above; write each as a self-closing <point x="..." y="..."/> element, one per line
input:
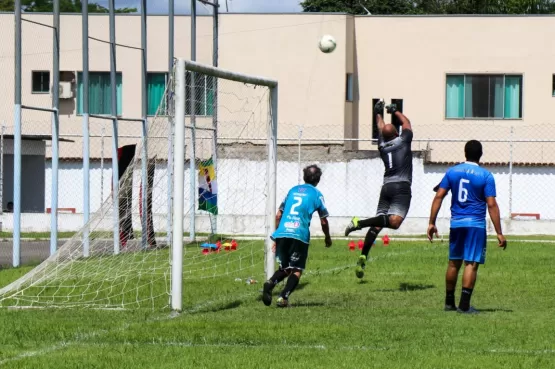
<point x="454" y="97"/>
<point x="349" y="87"/>
<point x="496" y="97"/>
<point x="477" y="96"/>
<point x="156" y="86"/>
<point x="513" y="97"/>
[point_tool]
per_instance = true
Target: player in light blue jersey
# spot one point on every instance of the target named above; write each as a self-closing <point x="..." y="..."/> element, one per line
<point x="292" y="235"/>
<point x="472" y="191"/>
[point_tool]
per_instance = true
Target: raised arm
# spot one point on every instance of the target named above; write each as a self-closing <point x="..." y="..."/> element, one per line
<point x="405" y="122"/>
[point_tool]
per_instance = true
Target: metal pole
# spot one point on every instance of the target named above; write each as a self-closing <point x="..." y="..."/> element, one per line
<point x="115" y="166"/>
<point x="511" y="173"/>
<point x="102" y="133"/>
<point x="272" y="180"/>
<point x="169" y="107"/>
<point x="86" y="138"/>
<point x="178" y="178"/>
<point x="215" y="57"/>
<point x="55" y="129"/>
<point x="144" y="104"/>
<point x="2" y="170"/>
<point x="17" y="140"/>
<point x="299" y="153"/>
<point x="192" y="166"/>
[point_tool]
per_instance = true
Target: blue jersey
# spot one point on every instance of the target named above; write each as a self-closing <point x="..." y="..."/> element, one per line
<point x="299" y="205"/>
<point x="470" y="185"/>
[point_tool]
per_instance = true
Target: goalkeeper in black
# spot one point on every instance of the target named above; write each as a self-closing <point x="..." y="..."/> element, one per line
<point x="395" y="195"/>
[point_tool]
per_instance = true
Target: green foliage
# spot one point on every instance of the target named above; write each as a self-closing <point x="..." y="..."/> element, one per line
<point x="408" y="7"/>
<point x="66" y="6"/>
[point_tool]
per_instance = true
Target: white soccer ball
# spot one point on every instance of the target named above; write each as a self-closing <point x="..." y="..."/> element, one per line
<point x="327" y="44"/>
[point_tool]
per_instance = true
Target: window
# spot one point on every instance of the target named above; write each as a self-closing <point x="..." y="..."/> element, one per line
<point x="100" y="93"/>
<point x="483" y="96"/>
<point x="156" y="87"/>
<point x="204" y="94"/>
<point x="41" y="82"/>
<point x="553" y="85"/>
<point x="349" y="88"/>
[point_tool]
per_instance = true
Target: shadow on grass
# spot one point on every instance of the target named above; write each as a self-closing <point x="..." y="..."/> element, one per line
<point x="495" y="310"/>
<point x="405" y="287"/>
<point x="231" y="305"/>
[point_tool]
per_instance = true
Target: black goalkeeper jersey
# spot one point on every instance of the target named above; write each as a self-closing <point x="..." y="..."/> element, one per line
<point x="397" y="157"/>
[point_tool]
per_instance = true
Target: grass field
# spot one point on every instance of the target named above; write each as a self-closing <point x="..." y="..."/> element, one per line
<point x="393" y="319"/>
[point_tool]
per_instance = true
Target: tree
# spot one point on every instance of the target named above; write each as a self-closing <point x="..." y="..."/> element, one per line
<point x="431" y="6"/>
<point x="66" y="6"/>
<point x="6" y="5"/>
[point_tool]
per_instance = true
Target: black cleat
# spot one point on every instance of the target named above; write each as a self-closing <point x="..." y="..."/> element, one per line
<point x="470" y="310"/>
<point x="267" y="293"/>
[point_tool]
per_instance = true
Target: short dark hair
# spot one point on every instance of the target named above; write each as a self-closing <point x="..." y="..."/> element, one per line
<point x="312" y="174"/>
<point x="473" y="150"/>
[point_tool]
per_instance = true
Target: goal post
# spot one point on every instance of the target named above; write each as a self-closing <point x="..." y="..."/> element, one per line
<point x="182" y="67"/>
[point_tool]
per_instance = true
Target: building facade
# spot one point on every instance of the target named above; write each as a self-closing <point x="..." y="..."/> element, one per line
<point x="457" y="78"/>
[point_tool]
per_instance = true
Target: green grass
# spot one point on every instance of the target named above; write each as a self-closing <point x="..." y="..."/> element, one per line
<point x="393" y="319"/>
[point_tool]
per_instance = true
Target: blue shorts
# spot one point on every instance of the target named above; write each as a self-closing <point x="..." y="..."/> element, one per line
<point x="468" y="244"/>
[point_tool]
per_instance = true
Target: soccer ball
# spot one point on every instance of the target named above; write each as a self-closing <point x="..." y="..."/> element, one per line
<point x="327" y="44"/>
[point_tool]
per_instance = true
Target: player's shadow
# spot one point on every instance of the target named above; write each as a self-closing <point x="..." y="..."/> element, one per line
<point x="406" y="287"/>
<point x="495" y="310"/>
<point x="231" y="305"/>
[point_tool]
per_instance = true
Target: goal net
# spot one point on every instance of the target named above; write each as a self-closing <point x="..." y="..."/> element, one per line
<point x="188" y="225"/>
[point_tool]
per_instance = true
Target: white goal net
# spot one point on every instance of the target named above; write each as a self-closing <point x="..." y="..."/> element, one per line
<point x="198" y="227"/>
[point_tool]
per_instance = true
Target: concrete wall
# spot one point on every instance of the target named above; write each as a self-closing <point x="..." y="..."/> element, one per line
<point x="350" y="188"/>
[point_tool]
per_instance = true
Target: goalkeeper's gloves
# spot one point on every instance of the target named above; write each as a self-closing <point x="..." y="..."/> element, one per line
<point x="378" y="108"/>
<point x="391" y="109"/>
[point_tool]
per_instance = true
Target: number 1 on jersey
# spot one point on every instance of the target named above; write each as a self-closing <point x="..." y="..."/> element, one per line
<point x="390" y="158"/>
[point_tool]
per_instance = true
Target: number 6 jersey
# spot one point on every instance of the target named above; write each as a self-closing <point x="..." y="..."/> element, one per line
<point x="470" y="185"/>
<point x="299" y="205"/>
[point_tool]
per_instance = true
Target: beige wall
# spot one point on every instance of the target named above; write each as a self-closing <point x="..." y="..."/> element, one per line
<point x="410" y="57"/>
<point x="391" y="57"/>
<point x="282" y="47"/>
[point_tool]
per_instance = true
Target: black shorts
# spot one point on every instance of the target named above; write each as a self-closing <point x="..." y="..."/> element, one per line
<point x="395" y="199"/>
<point x="291" y="253"/>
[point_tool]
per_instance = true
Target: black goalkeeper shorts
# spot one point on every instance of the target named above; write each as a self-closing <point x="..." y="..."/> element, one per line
<point x="395" y="199"/>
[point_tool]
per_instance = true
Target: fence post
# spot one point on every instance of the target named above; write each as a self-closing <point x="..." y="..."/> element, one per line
<point x="299" y="153"/>
<point x="2" y="131"/>
<point x="511" y="138"/>
<point x="102" y="166"/>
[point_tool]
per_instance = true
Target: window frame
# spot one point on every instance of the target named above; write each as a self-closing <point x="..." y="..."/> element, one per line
<point x="32" y="84"/>
<point x="187" y="94"/>
<point x="77" y="81"/>
<point x="464" y="75"/>
<point x="166" y="80"/>
<point x="553" y="85"/>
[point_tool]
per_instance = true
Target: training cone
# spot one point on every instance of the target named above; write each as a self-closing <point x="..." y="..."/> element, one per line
<point x="385" y="240"/>
<point x="233" y="245"/>
<point x="360" y="244"/>
<point x="352" y="246"/>
<point x="205" y="251"/>
<point x="218" y="246"/>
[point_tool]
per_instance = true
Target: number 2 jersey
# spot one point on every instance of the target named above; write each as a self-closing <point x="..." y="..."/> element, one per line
<point x="470" y="185"/>
<point x="299" y="205"/>
<point x="397" y="157"/>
